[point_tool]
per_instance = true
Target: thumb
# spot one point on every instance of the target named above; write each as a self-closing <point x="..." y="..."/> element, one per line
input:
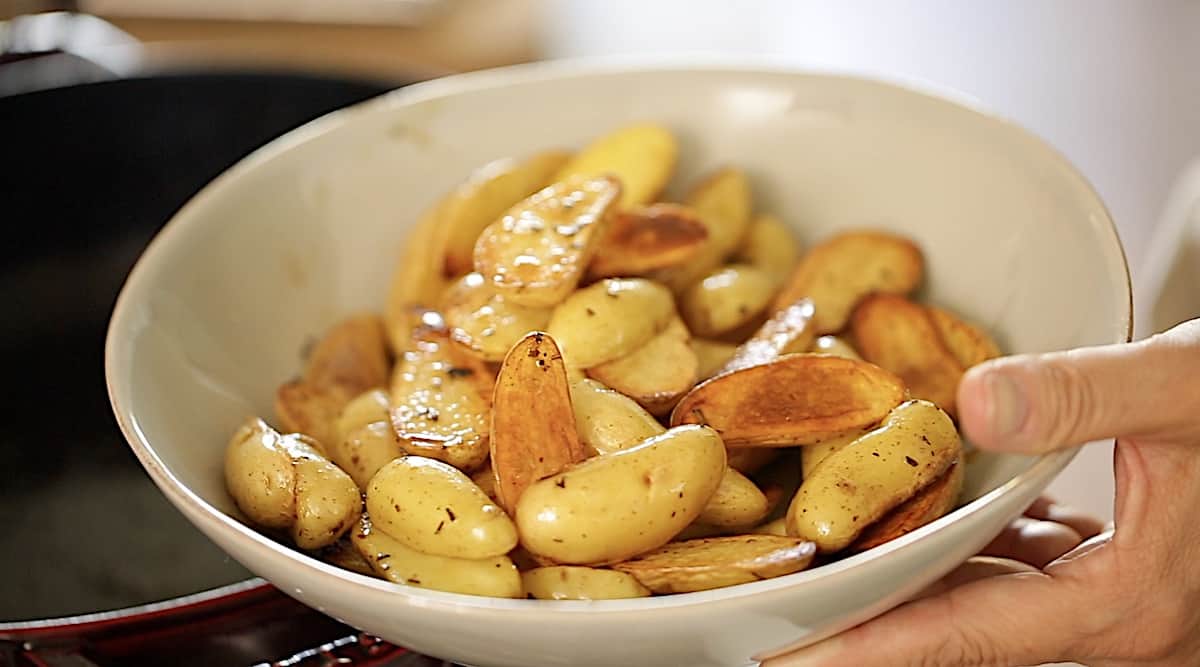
<point x="1013" y="619"/>
<point x="1036" y="403"/>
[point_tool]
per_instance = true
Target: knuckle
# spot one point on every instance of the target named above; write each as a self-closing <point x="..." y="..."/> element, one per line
<point x="1073" y="403"/>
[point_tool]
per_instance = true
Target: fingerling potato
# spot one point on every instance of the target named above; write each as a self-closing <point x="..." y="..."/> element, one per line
<point x="723" y="203"/>
<point x="788" y="330"/>
<point x="343" y="554"/>
<point x="302" y="407"/>
<point x="609" y="421"/>
<point x="726" y="299"/>
<point x="352" y="355"/>
<point x="417" y="282"/>
<point x="859" y="484"/>
<point x="610" y="319"/>
<point x="736" y="502"/>
<point x="390" y="559"/>
<point x="770" y="247"/>
<point x="749" y="460"/>
<point x="841" y="271"/>
<point x="642" y="157"/>
<point x="536" y="253"/>
<point x="610" y="508"/>
<point x="798" y="399"/>
<point x="897" y="334"/>
<point x="969" y="344"/>
<point x="716" y="562"/>
<point x="711" y="355"/>
<point x="572" y="582"/>
<point x="485" y="196"/>
<point x="441" y="398"/>
<point x="484" y="321"/>
<point x="835" y="346"/>
<point x="366" y="408"/>
<point x="772" y="527"/>
<point x="643" y="239"/>
<point x="812" y="455"/>
<point x="364" y="450"/>
<point x="435" y="508"/>
<point x="930" y="503"/>
<point x="657" y="374"/>
<point x="533" y="424"/>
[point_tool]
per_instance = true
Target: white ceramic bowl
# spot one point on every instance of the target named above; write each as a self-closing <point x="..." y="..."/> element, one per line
<point x="307" y="229"/>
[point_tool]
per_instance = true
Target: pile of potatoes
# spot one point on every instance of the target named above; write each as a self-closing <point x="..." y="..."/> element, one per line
<point x="577" y="391"/>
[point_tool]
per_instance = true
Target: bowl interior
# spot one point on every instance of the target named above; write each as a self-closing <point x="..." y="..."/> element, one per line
<point x="307" y="231"/>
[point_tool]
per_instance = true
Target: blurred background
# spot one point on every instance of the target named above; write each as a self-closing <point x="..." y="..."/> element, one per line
<point x="114" y="112"/>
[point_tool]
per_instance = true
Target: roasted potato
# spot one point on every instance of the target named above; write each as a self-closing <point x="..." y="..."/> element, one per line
<point x="282" y="482"/>
<point x="490" y="192"/>
<point x="736" y="502"/>
<point x="536" y="253"/>
<point x="835" y="346"/>
<point x="343" y="554"/>
<point x="642" y="157"/>
<point x="749" y="460"/>
<point x="609" y="421"/>
<point x="844" y="269"/>
<point x="860" y="483"/>
<point x="434" y="508"/>
<point x="302" y="407"/>
<point x="969" y="344"/>
<point x="353" y="355"/>
<point x="798" y="399"/>
<point x="716" y="562"/>
<point x="657" y="374"/>
<point x="644" y="239"/>
<point x="930" y="503"/>
<point x="899" y="335"/>
<point x="610" y="508"/>
<point x="772" y="527"/>
<point x="417" y="283"/>
<point x="726" y="299"/>
<point x="485" y="322"/>
<point x="530" y="444"/>
<point x="610" y="319"/>
<point x="812" y="455"/>
<point x="723" y="202"/>
<point x="770" y="247"/>
<point x="789" y="330"/>
<point x="711" y="355"/>
<point x="390" y="559"/>
<point x="366" y="408"/>
<point x="572" y="582"/>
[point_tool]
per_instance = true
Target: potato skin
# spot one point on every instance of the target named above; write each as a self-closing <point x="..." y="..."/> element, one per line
<point x="364" y="450"/>
<point x="609" y="319"/>
<point x="390" y="559"/>
<point x="930" y="503"/>
<point x="716" y="562"/>
<point x="736" y="502"/>
<point x="657" y="374"/>
<point x="771" y="246"/>
<point x="643" y="239"/>
<point x="486" y="323"/>
<point x="609" y="508"/>
<point x="726" y="299"/>
<point x="723" y="202"/>
<point x="857" y="485"/>
<point x="609" y="421"/>
<point x="366" y="408"/>
<point x="642" y="156"/>
<point x="572" y="582"/>
<point x="434" y="508"/>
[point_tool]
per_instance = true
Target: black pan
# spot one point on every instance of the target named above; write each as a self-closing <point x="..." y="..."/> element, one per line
<point x="90" y="173"/>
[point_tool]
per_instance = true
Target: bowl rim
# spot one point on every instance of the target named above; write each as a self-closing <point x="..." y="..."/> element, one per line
<point x="208" y="517"/>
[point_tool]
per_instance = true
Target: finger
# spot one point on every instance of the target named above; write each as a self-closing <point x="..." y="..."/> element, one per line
<point x="1013" y="619"/>
<point x="976" y="568"/>
<point x="1036" y="403"/>
<point x="1033" y="541"/>
<point x="1083" y="523"/>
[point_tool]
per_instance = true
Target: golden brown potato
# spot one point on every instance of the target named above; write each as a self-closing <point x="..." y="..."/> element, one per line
<point x="749" y="460"/>
<point x="737" y="502"/>
<point x="712" y="355"/>
<point x="789" y="330"/>
<point x="716" y="562"/>
<point x="302" y="407"/>
<point x="364" y="450"/>
<point x="610" y="508"/>
<point x="434" y="508"/>
<point x="723" y="202"/>
<point x="572" y="582"/>
<point x="644" y="239"/>
<point x="655" y="375"/>
<point x="491" y="191"/>
<point x="283" y="482"/>
<point x="366" y="408"/>
<point x="610" y="319"/>
<point x="642" y="157"/>
<point x="930" y="503"/>
<point x="537" y="252"/>
<point x="417" y="283"/>
<point x="773" y="527"/>
<point x="533" y="424"/>
<point x="392" y="560"/>
<point x="486" y="323"/>
<point x="797" y="399"/>
<point x="841" y="271"/>
<point x="835" y="346"/>
<point x="726" y="299"/>
<point x="897" y="334"/>
<point x="441" y="398"/>
<point x="771" y="247"/>
<point x="969" y="344"/>
<point x="607" y="420"/>
<point x="857" y="485"/>
<point x="352" y="355"/>
<point x="343" y="554"/>
<point x="485" y="479"/>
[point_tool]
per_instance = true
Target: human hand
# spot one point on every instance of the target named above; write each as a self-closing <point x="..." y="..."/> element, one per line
<point x="1129" y="596"/>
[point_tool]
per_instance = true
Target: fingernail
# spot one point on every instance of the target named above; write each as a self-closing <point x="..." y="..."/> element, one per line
<point x="816" y="655"/>
<point x="1008" y="406"/>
